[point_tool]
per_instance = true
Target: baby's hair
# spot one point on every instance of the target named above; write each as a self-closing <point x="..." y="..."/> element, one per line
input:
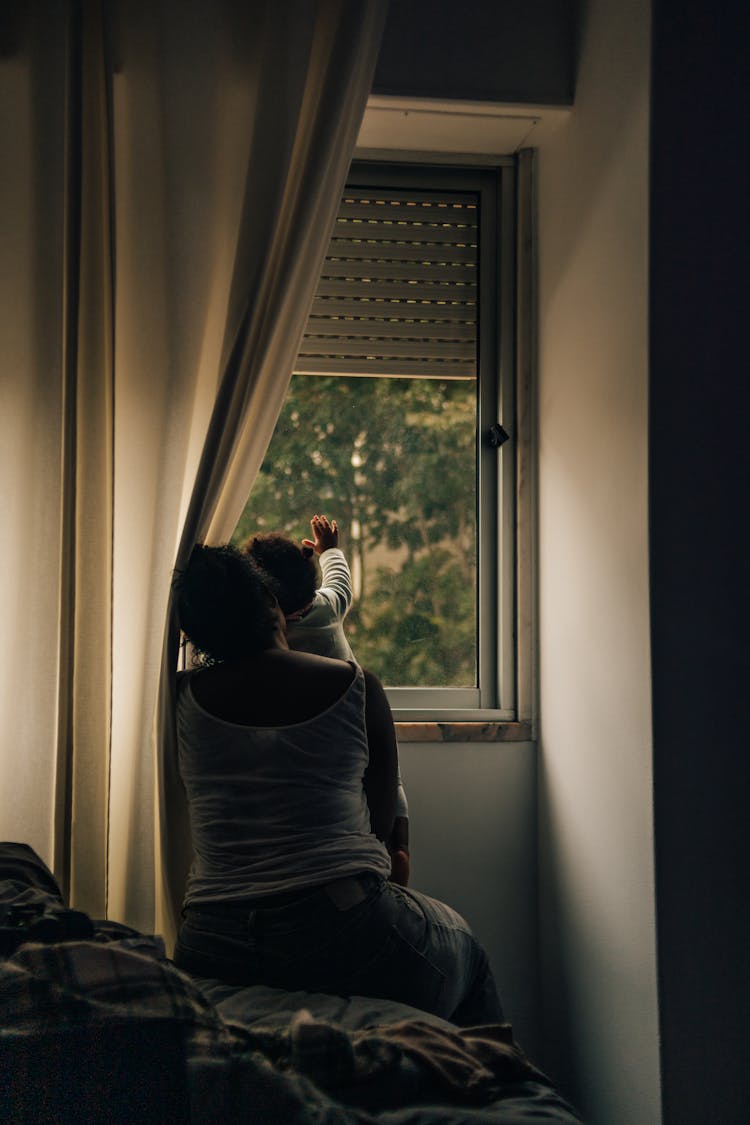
<point x="225" y="604"/>
<point x="291" y="568"/>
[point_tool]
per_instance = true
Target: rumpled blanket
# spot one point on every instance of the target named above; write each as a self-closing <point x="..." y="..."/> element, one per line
<point x="467" y="1064"/>
<point x="94" y="1033"/>
<point x="106" y="1031"/>
<point x="82" y="1005"/>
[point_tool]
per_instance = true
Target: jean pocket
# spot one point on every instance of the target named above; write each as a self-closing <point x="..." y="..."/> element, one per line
<point x="397" y="971"/>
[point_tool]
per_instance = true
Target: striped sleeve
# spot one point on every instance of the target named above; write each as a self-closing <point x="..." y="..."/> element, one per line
<point x="336" y="580"/>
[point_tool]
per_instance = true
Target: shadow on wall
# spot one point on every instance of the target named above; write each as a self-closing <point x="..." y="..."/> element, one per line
<point x="474" y="50"/>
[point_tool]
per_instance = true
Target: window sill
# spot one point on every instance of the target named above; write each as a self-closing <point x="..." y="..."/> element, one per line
<point x="463" y="732"/>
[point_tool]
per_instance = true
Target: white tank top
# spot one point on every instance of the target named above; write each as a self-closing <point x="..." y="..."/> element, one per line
<point x="273" y="809"/>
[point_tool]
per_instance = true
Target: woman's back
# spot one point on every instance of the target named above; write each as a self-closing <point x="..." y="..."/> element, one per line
<point x="275" y="805"/>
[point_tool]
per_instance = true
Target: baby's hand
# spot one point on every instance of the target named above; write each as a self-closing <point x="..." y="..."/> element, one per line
<point x="326" y="535"/>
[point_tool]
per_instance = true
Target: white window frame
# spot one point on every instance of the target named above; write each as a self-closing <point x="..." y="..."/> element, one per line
<point x="502" y="695"/>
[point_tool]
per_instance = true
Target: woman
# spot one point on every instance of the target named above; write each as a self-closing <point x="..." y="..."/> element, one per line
<point x="289" y="761"/>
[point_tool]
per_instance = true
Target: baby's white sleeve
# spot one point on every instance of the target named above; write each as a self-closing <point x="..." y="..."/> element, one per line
<point x="336" y="579"/>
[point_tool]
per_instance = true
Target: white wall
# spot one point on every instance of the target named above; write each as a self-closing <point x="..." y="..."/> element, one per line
<point x="473" y="845"/>
<point x="599" y="994"/>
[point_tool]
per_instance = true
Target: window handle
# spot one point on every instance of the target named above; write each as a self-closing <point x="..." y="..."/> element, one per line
<point x="497" y="435"/>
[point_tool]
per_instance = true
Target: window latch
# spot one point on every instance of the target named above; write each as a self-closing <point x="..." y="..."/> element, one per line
<point x="497" y="435"/>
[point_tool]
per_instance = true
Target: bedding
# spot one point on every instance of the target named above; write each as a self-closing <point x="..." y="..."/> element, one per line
<point x="99" y="1026"/>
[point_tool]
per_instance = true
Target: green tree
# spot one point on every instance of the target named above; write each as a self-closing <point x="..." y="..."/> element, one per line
<point x="393" y="461"/>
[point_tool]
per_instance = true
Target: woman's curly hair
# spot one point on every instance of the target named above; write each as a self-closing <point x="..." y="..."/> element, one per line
<point x="225" y="604"/>
<point x="290" y="568"/>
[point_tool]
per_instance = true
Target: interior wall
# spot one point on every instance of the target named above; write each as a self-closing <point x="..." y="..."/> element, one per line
<point x="472" y="824"/>
<point x="517" y="51"/>
<point x="597" y="912"/>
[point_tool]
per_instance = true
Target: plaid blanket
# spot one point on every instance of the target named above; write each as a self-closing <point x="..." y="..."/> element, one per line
<point x="101" y="1032"/>
<point x="106" y="1031"/>
<point x="471" y="1065"/>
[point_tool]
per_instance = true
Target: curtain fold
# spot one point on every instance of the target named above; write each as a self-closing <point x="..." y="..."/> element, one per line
<point x="217" y="137"/>
<point x="33" y="122"/>
<point x="57" y="415"/>
<point x="85" y="664"/>
<point x="276" y="272"/>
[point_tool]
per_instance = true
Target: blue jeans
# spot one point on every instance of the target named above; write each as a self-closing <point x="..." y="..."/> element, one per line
<point x="360" y="935"/>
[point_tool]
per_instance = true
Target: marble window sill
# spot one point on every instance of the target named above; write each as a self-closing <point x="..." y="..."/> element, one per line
<point x="463" y="732"/>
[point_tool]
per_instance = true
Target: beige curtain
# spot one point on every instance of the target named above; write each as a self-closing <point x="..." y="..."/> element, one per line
<point x="33" y="128"/>
<point x="223" y="138"/>
<point x="57" y="418"/>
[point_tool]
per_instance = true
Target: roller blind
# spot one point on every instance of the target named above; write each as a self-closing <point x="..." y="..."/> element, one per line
<point x="398" y="291"/>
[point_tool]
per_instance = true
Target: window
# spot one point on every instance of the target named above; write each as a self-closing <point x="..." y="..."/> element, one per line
<point x="395" y="424"/>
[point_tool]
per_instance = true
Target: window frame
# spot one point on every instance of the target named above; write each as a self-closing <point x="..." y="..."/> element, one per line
<point x="495" y="699"/>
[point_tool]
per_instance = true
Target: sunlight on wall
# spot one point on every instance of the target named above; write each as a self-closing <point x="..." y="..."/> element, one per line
<point x="599" y="978"/>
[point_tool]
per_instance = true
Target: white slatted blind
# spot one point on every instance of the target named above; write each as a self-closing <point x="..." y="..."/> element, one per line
<point x="398" y="291"/>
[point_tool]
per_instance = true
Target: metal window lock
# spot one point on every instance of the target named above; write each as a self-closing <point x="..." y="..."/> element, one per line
<point x="497" y="435"/>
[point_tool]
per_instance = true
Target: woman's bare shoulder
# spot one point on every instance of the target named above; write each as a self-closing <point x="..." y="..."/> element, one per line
<point x="276" y="687"/>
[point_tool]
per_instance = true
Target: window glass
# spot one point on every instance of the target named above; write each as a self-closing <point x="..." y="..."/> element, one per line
<point x="393" y="460"/>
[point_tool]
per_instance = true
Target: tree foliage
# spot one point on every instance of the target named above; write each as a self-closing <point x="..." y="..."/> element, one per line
<point x="393" y="461"/>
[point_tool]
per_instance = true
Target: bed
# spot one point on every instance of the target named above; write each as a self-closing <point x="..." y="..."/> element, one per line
<point x="99" y="1026"/>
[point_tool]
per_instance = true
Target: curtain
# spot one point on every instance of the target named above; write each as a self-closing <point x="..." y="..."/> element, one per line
<point x="33" y="67"/>
<point x="190" y="218"/>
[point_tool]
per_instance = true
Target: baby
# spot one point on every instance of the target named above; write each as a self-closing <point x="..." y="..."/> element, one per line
<point x="314" y="615"/>
<point x="315" y="622"/>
